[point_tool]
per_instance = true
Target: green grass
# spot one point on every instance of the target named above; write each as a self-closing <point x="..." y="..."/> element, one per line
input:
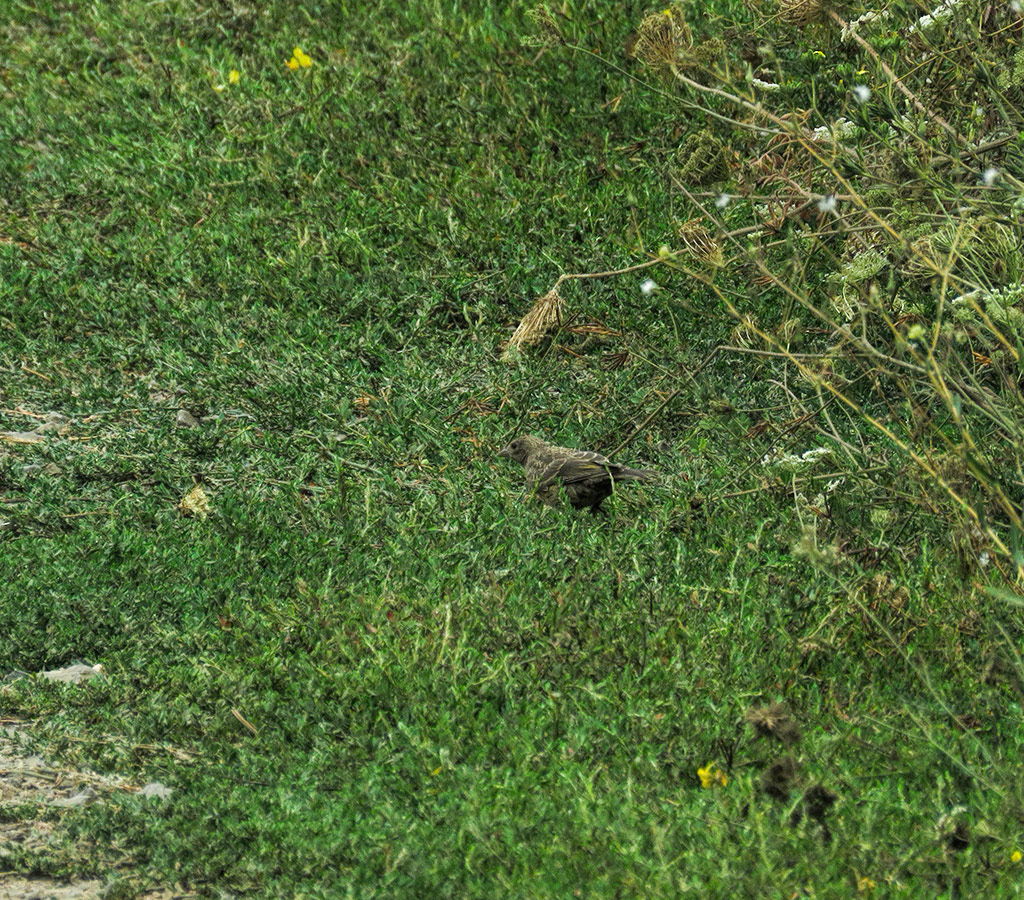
<point x="456" y="693"/>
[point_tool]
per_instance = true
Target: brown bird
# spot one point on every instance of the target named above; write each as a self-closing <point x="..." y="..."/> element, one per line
<point x="586" y="477"/>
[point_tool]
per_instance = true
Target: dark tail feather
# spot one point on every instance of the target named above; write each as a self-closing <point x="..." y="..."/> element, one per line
<point x="628" y="474"/>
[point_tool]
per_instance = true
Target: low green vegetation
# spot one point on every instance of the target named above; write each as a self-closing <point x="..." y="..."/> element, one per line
<point x="267" y="261"/>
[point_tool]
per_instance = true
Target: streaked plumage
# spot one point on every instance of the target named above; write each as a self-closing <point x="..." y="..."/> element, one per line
<point x="585" y="477"/>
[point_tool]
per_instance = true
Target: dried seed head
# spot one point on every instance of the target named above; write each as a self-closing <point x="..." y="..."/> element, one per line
<point x="660" y="39"/>
<point x="612" y="361"/>
<point x="801" y="12"/>
<point x="703" y="160"/>
<point x="774" y="721"/>
<point x="195" y="503"/>
<point x="545" y="315"/>
<point x="548" y="32"/>
<point x="707" y="54"/>
<point x="788" y="331"/>
<point x="746" y="332"/>
<point x="924" y="260"/>
<point x="701" y="244"/>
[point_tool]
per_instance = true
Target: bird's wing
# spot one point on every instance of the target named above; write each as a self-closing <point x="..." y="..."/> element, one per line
<point x="590" y="456"/>
<point x="541" y="472"/>
<point x="615" y="470"/>
<point x="582" y="465"/>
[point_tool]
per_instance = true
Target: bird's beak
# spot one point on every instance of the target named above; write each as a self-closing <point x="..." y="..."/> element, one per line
<point x="505" y="451"/>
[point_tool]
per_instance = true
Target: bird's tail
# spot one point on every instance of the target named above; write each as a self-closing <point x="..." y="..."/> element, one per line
<point x="627" y="474"/>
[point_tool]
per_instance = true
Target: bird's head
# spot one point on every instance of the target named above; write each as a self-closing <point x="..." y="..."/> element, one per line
<point x="521" y="448"/>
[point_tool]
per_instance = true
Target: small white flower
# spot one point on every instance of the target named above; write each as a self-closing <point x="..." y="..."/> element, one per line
<point x="850" y="30"/>
<point x="841" y="128"/>
<point x="940" y="14"/>
<point x="722" y="201"/>
<point x="1016" y="7"/>
<point x="815" y="454"/>
<point x="984" y="559"/>
<point x="827" y="204"/>
<point x="989" y="176"/>
<point x="968" y="297"/>
<point x="648" y="287"/>
<point x="795" y="462"/>
<point x="862" y="92"/>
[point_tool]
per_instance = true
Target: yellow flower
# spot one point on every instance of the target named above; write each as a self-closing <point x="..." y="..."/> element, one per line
<point x="710" y="775"/>
<point x="233" y="76"/>
<point x="865" y="885"/>
<point x="299" y="59"/>
<point x="1016" y="856"/>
